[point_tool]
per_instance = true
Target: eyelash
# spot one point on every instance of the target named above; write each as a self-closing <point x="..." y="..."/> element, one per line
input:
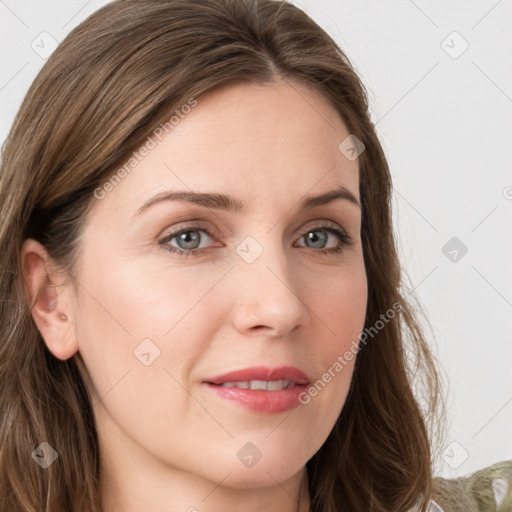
<point x="345" y="239"/>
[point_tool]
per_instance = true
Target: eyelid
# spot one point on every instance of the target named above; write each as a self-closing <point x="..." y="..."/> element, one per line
<point x="323" y="223"/>
<point x="332" y="227"/>
<point x="207" y="226"/>
<point x="187" y="226"/>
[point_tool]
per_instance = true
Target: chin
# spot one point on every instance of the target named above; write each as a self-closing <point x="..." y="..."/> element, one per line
<point x="262" y="474"/>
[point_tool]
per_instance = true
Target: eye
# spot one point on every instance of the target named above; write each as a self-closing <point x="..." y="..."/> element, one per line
<point x="318" y="237"/>
<point x="188" y="240"/>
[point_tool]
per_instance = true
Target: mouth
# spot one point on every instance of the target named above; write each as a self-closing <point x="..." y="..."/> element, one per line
<point x="261" y="389"/>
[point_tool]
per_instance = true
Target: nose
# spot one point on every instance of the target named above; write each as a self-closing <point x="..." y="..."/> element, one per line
<point x="268" y="300"/>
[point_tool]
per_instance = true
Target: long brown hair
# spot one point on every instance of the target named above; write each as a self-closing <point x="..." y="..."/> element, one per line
<point x="99" y="96"/>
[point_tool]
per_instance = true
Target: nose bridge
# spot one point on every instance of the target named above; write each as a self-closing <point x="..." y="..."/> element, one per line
<point x="268" y="294"/>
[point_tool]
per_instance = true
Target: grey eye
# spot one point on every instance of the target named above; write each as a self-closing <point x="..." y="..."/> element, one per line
<point x="188" y="240"/>
<point x="317" y="237"/>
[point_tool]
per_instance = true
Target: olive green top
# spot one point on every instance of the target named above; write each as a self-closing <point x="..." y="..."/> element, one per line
<point x="486" y="490"/>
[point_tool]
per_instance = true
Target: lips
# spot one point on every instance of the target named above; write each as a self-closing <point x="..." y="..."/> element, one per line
<point x="262" y="373"/>
<point x="260" y="389"/>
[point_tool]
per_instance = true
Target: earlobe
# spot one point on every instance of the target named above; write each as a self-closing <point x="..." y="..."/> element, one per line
<point x="50" y="303"/>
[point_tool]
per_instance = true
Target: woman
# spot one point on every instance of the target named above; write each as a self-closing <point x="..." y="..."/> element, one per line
<point x="202" y="305"/>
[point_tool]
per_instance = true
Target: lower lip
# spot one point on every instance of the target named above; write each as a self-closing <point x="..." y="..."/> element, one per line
<point x="269" y="402"/>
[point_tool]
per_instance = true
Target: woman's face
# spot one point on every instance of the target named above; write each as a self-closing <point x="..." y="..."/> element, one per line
<point x="256" y="290"/>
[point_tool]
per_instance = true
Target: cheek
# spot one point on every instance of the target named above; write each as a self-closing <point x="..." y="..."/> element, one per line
<point x="340" y="308"/>
<point x="340" y="303"/>
<point x="135" y="364"/>
<point x="155" y="297"/>
<point x="142" y="319"/>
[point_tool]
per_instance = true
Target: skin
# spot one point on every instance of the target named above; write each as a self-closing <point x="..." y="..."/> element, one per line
<point x="167" y="442"/>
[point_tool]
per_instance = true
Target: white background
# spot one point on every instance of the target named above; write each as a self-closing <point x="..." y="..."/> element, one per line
<point x="446" y="125"/>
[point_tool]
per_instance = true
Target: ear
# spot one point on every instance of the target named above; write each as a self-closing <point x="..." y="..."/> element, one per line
<point x="51" y="300"/>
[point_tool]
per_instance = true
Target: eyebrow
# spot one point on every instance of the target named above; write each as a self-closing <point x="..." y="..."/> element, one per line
<point x="228" y="203"/>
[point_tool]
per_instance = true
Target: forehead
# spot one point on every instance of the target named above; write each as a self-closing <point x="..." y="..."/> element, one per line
<point x="253" y="141"/>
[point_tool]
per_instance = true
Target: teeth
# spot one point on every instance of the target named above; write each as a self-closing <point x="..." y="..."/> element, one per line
<point x="259" y="384"/>
<point x="273" y="385"/>
<point x="244" y="385"/>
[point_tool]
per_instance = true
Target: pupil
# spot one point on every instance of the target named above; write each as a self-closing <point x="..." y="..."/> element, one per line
<point x="314" y="238"/>
<point x="187" y="239"/>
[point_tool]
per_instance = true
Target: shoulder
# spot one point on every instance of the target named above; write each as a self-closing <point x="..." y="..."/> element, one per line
<point x="486" y="490"/>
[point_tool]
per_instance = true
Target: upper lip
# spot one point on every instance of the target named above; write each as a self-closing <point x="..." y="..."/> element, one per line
<point x="262" y="373"/>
